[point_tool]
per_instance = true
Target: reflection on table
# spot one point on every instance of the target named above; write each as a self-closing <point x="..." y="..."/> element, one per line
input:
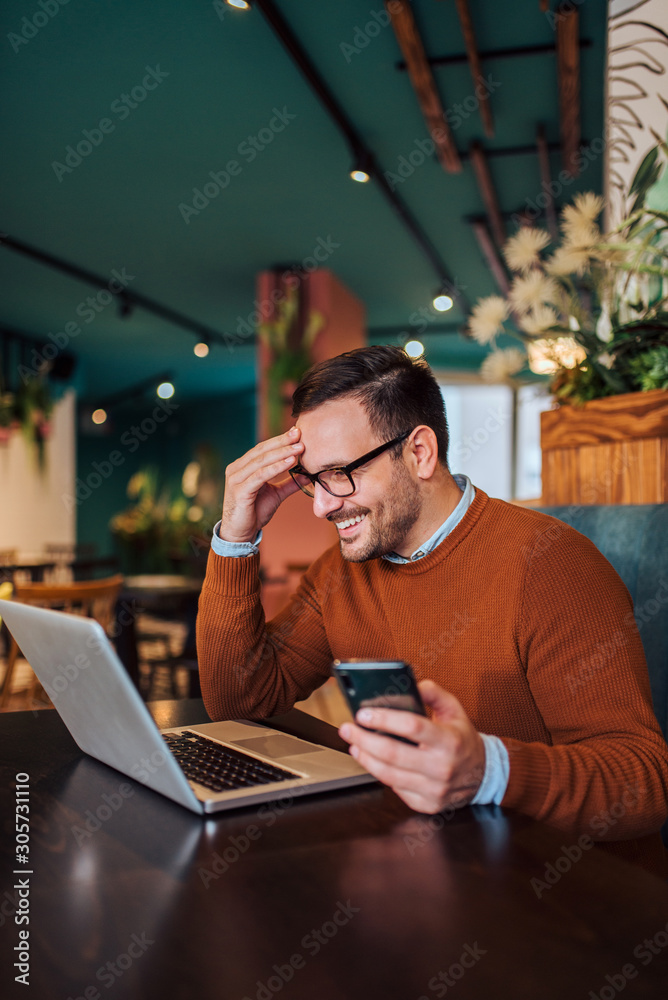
<point x="347" y="896"/>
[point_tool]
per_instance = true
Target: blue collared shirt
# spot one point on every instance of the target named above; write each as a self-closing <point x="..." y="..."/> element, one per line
<point x="497" y="763"/>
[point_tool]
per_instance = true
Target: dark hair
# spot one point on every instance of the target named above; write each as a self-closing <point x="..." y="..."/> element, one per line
<point x="396" y="391"/>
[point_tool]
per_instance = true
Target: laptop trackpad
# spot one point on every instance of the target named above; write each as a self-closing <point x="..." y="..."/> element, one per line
<point x="276" y="746"/>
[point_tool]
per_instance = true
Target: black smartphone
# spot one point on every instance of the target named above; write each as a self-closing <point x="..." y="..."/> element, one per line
<point x="379" y="684"/>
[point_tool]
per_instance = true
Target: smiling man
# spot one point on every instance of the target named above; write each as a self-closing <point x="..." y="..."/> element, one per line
<point x="492" y="608"/>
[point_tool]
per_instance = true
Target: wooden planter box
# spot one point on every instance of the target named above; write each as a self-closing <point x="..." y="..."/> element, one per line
<point x="612" y="450"/>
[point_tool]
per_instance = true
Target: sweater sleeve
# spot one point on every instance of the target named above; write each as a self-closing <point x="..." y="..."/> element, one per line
<point x="250" y="668"/>
<point x="606" y="771"/>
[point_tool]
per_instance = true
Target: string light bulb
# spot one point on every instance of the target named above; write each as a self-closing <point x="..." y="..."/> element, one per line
<point x="201" y="349"/>
<point x="165" y="390"/>
<point x="99" y="416"/>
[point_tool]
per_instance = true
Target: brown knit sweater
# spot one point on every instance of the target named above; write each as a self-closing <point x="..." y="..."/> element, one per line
<point x="516" y="614"/>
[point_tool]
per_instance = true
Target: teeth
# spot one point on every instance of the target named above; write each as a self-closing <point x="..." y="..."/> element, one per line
<point x="352" y="520"/>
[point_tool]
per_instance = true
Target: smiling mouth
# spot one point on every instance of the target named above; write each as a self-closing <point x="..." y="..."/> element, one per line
<point x="349" y="523"/>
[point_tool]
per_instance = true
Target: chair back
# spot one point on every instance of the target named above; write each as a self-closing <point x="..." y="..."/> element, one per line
<point x="94" y="599"/>
<point x="634" y="538"/>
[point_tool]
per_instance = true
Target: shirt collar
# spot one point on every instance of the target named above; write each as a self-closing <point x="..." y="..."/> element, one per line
<point x="468" y="493"/>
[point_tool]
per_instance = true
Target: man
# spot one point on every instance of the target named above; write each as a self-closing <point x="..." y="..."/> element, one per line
<point x="497" y="608"/>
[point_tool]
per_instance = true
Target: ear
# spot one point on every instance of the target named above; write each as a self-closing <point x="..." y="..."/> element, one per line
<point x="423" y="447"/>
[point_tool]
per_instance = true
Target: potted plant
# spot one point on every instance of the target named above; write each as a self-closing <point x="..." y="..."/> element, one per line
<point x="591" y="312"/>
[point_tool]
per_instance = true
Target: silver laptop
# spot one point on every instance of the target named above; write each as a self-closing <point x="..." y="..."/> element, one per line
<point x="206" y="768"/>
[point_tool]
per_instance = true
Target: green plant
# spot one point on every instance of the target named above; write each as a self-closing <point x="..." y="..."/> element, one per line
<point x="28" y="408"/>
<point x="290" y="347"/>
<point x="592" y="313"/>
<point x="164" y="520"/>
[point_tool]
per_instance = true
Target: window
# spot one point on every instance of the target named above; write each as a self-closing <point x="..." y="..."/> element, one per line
<point x="495" y="436"/>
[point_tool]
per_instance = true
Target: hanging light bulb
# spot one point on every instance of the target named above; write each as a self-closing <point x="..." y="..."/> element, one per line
<point x="165" y="390"/>
<point x="442" y="302"/>
<point x="414" y="349"/>
<point x="99" y="416"/>
<point x="361" y="168"/>
<point x="201" y="349"/>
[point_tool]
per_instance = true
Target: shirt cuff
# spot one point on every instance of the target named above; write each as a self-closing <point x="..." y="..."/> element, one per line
<point x="497" y="771"/>
<point x="234" y="549"/>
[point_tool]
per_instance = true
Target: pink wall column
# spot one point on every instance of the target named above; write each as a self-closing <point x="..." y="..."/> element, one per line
<point x="295" y="537"/>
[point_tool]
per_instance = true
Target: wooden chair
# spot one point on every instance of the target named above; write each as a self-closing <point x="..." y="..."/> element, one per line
<point x="94" y="599"/>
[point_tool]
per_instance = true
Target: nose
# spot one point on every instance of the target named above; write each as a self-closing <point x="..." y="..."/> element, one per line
<point x="324" y="503"/>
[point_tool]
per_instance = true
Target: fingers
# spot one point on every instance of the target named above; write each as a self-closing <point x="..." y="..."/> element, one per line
<point x="408" y="724"/>
<point x="266" y="460"/>
<point x="250" y="501"/>
<point x="445" y="706"/>
<point x="388" y="752"/>
<point x="388" y="761"/>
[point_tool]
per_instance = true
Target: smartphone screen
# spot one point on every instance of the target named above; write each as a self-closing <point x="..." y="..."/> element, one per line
<point x="379" y="684"/>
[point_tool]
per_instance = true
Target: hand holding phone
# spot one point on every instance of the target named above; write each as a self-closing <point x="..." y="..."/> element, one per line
<point x="379" y="684"/>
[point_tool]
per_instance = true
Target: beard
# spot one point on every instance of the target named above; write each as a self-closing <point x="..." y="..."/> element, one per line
<point x="388" y="523"/>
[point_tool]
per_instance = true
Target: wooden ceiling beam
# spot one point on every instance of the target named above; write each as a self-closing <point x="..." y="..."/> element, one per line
<point x="568" y="68"/>
<point x="491" y="254"/>
<point x="546" y="181"/>
<point x="423" y="83"/>
<point x="481" y="89"/>
<point x="488" y="192"/>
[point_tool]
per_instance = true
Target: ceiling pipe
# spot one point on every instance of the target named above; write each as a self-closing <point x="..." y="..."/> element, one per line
<point x="300" y="57"/>
<point x="513" y="53"/>
<point x="126" y="298"/>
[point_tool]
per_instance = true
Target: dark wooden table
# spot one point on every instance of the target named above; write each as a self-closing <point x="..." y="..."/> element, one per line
<point x="338" y="897"/>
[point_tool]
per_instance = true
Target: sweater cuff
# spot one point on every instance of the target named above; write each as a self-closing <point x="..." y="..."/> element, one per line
<point x="232" y="577"/>
<point x="529" y="778"/>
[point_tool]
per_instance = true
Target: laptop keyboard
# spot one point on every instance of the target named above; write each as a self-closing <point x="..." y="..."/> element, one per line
<point x="220" y="768"/>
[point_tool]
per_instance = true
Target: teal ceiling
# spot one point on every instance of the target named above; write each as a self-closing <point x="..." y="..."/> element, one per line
<point x="222" y="76"/>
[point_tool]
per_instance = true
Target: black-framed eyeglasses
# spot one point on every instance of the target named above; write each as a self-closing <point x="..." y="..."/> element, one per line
<point x="339" y="482"/>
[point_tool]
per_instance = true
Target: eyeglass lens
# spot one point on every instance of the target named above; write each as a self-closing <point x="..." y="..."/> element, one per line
<point x="333" y="480"/>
